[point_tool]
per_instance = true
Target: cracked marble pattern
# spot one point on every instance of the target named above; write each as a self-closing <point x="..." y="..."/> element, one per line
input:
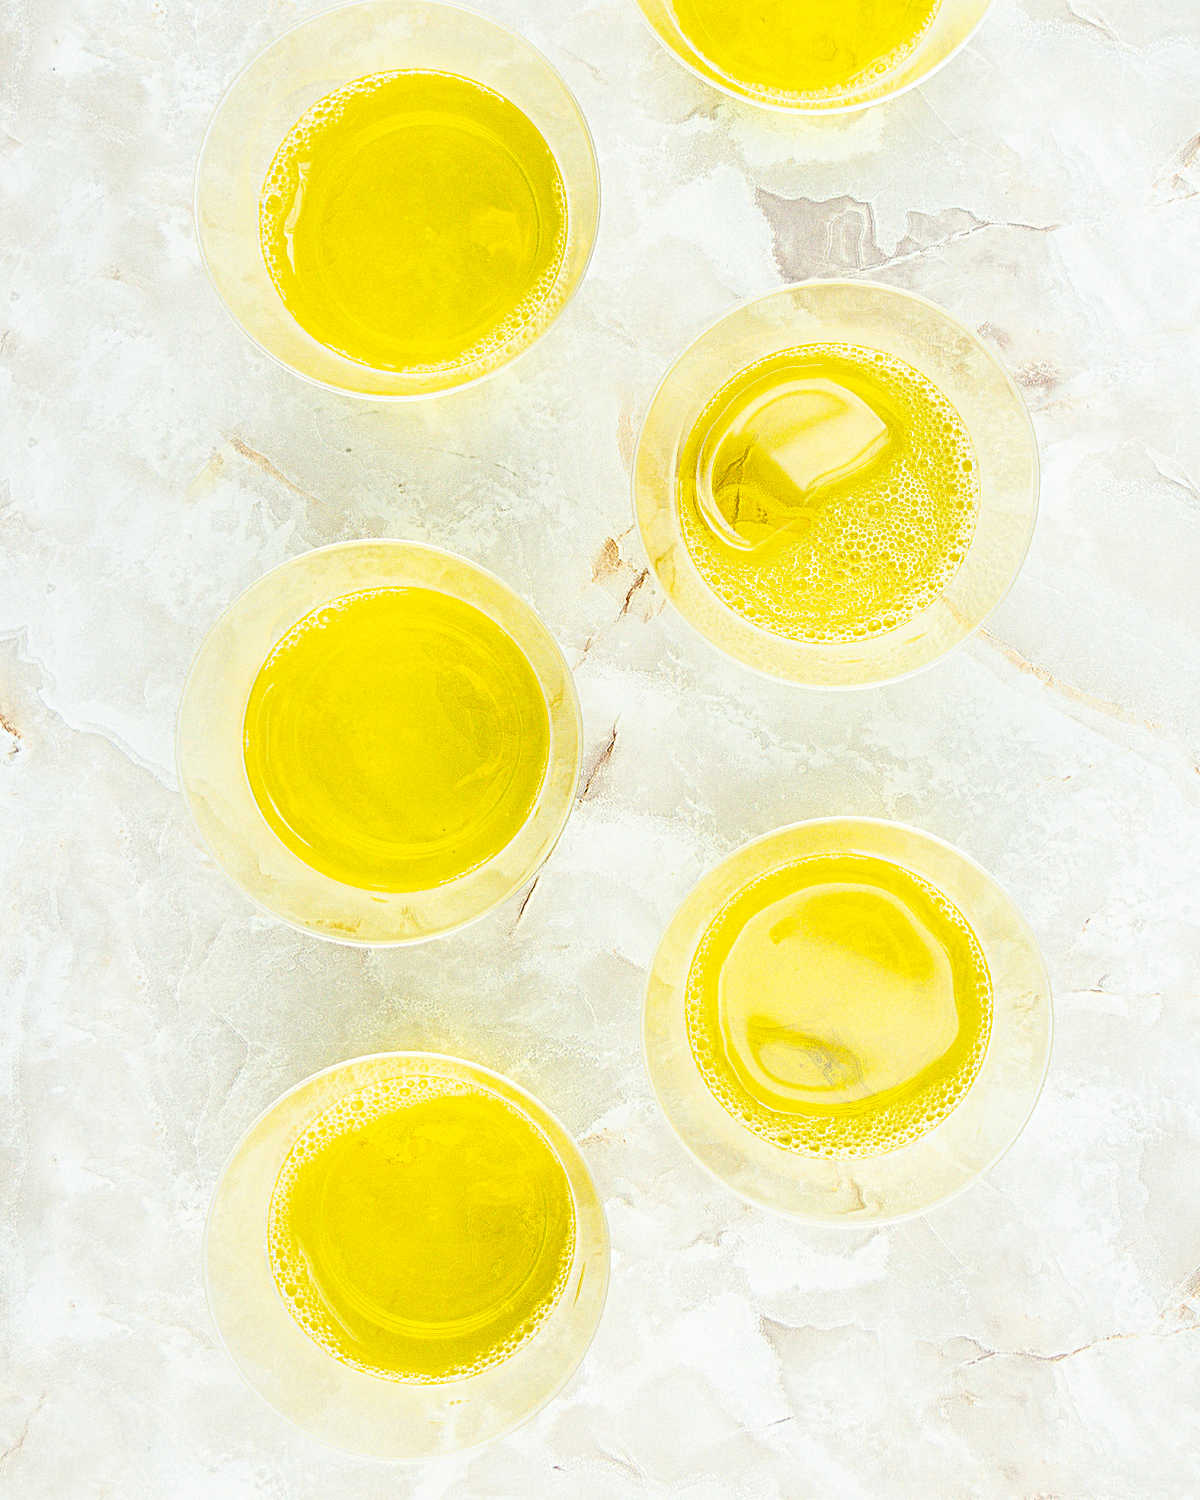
<point x="1037" y="1337"/>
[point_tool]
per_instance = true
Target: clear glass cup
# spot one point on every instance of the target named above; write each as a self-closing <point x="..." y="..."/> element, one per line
<point x="211" y="759"/>
<point x="858" y="1189"/>
<point x="312" y="60"/>
<point x="874" y="316"/>
<point x="345" y="1406"/>
<point x="951" y="28"/>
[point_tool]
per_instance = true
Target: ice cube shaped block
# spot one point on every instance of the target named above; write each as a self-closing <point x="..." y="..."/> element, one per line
<point x="770" y="453"/>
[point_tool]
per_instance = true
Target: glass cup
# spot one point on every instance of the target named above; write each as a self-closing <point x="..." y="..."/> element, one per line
<point x="876" y="317"/>
<point x="858" y="1188"/>
<point x="951" y="28"/>
<point x="211" y="759"/>
<point x="312" y="60"/>
<point x="340" y="1404"/>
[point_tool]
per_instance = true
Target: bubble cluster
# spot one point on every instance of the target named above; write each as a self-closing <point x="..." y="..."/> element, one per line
<point x="316" y="148"/>
<point x="902" y="1115"/>
<point x="876" y="549"/>
<point x="291" y="1269"/>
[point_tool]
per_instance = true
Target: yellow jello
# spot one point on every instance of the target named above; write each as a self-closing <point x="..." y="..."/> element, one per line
<point x="803" y="51"/>
<point x="396" y="739"/>
<point x="421" y="1229"/>
<point x="413" y="220"/>
<point x="828" y="493"/>
<point x="839" y="1005"/>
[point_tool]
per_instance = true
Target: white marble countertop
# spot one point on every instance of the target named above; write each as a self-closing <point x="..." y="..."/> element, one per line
<point x="1040" y="1335"/>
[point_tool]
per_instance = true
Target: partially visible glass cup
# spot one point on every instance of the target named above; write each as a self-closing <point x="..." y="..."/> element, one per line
<point x="308" y="63"/>
<point x="851" y="1187"/>
<point x="351" y="1408"/>
<point x="907" y="328"/>
<point x="951" y="27"/>
<point x="210" y="745"/>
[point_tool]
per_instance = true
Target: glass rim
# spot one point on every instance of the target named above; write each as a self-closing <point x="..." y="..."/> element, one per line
<point x="556" y="826"/>
<point x="538" y="1114"/>
<point x="665" y="385"/>
<point x="572" y="285"/>
<point x="1032" y="1092"/>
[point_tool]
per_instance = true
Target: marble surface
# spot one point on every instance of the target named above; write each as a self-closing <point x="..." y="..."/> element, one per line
<point x="1039" y="1336"/>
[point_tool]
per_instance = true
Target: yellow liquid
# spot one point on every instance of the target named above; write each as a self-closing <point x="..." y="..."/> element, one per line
<point x="800" y="51"/>
<point x="828" y="493"/>
<point x="414" y="221"/>
<point x="839" y="1005"/>
<point x="421" y="1229"/>
<point x="396" y="739"/>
